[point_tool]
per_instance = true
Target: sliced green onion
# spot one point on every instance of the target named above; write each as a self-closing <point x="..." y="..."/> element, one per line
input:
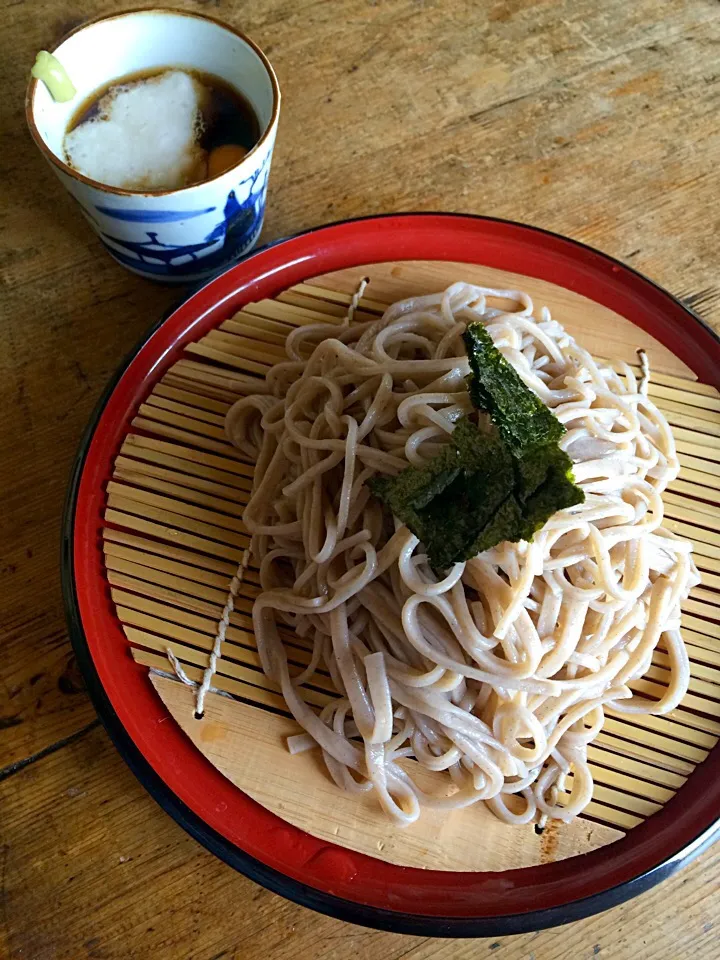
<point x="54" y="75"/>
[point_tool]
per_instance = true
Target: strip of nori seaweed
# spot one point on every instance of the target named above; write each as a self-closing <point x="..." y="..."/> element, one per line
<point x="451" y="500"/>
<point x="486" y="486"/>
<point x="520" y="415"/>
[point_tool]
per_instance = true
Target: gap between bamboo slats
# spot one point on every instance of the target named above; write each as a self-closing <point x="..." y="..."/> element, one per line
<point x="156" y="612"/>
<point x="164" y="610"/>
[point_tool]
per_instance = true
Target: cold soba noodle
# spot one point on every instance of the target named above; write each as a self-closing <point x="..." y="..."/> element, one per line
<point x="498" y="670"/>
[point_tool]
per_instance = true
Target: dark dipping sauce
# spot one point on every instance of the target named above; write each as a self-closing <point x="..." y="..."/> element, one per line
<point x="228" y="120"/>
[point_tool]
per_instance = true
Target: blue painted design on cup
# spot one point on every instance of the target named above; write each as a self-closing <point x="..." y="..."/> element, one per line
<point x="157" y="253"/>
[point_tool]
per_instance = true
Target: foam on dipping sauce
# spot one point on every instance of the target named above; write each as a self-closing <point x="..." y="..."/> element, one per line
<point x="160" y="132"/>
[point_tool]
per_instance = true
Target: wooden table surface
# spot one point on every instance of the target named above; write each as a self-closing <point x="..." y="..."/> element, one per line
<point x="599" y="119"/>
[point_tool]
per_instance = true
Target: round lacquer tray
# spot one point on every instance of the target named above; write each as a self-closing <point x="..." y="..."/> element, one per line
<point x="154" y="535"/>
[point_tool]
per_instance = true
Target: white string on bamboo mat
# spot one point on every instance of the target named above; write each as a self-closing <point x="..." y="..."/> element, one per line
<point x="179" y="674"/>
<point x="178" y="668"/>
<point x="356" y="297"/>
<point x="220" y="636"/>
<point x="203" y="687"/>
<point x="644" y="371"/>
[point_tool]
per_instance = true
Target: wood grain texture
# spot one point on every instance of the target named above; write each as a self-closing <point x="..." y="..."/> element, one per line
<point x="599" y="121"/>
<point x="92" y="870"/>
<point x="248" y="746"/>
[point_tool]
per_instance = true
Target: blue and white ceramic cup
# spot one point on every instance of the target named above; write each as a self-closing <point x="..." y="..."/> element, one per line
<point x="173" y="235"/>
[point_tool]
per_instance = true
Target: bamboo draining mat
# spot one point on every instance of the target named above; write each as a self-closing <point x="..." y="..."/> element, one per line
<point x="174" y="536"/>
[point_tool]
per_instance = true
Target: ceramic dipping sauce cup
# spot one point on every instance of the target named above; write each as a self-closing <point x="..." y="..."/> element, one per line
<point x="178" y="235"/>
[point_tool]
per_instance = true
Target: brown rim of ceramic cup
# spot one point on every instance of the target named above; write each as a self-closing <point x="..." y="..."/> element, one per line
<point x="97" y="184"/>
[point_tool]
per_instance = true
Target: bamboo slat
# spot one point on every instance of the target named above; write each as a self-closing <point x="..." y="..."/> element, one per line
<point x="181" y="485"/>
<point x="170" y="534"/>
<point x="155" y="552"/>
<point x="189" y="453"/>
<point x="174" y="536"/>
<point x="193" y="399"/>
<point x="190" y="410"/>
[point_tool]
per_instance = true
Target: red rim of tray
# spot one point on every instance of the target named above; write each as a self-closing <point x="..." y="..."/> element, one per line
<point x="328" y="878"/>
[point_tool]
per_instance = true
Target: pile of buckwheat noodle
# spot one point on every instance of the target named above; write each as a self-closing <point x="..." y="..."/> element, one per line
<point x="500" y="673"/>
